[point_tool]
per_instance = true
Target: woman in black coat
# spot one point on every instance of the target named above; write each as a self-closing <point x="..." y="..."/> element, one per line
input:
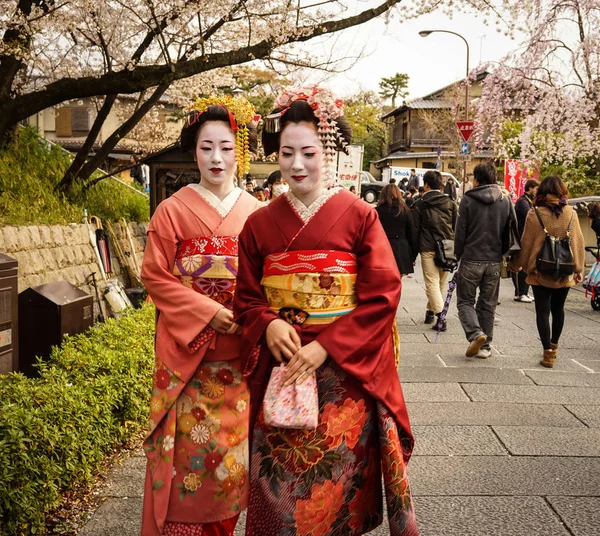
<point x="594" y="214"/>
<point x="397" y="223"/>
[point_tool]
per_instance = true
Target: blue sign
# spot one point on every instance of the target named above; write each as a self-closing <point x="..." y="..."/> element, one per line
<point x="439" y="150"/>
<point x="464" y="149"/>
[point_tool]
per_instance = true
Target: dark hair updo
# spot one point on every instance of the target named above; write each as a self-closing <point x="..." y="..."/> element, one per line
<point x="299" y="112"/>
<point x="189" y="134"/>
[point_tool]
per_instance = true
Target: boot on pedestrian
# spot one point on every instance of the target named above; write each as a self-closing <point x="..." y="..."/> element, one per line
<point x="443" y="326"/>
<point x="548" y="359"/>
<point x="429" y="316"/>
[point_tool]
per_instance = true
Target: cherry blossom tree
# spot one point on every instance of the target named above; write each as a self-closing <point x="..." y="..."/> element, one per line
<point x="55" y="51"/>
<point x="542" y="102"/>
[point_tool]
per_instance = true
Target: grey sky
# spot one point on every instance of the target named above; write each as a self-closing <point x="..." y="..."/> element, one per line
<point x="431" y="62"/>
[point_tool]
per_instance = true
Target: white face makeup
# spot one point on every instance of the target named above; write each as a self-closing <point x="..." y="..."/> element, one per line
<point x="216" y="157"/>
<point x="301" y="161"/>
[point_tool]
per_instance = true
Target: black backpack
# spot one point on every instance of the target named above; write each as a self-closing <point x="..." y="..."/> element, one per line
<point x="555" y="257"/>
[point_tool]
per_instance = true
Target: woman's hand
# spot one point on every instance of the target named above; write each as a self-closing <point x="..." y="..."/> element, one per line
<point x="282" y="339"/>
<point x="223" y="322"/>
<point x="578" y="278"/>
<point x="304" y="362"/>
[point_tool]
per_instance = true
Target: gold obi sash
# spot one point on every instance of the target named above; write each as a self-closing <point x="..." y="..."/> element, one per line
<point x="209" y="265"/>
<point x="310" y="287"/>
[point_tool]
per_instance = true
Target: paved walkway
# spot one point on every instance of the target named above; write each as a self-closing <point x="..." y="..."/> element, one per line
<point x="503" y="446"/>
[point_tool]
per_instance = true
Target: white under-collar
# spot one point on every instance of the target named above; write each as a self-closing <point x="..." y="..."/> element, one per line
<point x="222" y="207"/>
<point x="307" y="212"/>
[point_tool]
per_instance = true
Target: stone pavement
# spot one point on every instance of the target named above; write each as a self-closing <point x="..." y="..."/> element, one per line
<point x="503" y="446"/>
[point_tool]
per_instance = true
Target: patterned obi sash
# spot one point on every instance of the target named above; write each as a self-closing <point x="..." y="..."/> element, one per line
<point x="209" y="265"/>
<point x="310" y="287"/>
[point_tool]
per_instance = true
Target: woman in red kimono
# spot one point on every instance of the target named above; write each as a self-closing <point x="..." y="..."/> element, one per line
<point x="197" y="449"/>
<point x="318" y="289"/>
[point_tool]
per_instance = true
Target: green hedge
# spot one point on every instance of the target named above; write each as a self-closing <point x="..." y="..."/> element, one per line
<point x="91" y="396"/>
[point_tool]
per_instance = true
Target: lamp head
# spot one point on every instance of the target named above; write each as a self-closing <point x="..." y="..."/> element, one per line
<point x="425" y="33"/>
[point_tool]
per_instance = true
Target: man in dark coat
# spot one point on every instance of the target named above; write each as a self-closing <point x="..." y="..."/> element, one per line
<point x="450" y="189"/>
<point x="482" y="237"/>
<point x="522" y="207"/>
<point x="435" y="218"/>
<point x="413" y="180"/>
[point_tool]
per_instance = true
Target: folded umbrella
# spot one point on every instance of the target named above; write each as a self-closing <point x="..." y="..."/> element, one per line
<point x="444" y="313"/>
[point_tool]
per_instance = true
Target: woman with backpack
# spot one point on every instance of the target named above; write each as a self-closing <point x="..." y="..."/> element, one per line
<point x="551" y="271"/>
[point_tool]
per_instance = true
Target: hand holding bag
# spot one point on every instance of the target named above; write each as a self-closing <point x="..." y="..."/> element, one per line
<point x="294" y="406"/>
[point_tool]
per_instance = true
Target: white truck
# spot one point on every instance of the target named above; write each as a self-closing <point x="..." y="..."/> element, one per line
<point x="399" y="173"/>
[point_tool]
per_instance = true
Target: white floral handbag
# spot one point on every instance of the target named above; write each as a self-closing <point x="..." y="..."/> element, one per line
<point x="294" y="406"/>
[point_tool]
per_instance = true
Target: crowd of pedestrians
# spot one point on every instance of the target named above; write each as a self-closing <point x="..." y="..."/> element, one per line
<point x="486" y="229"/>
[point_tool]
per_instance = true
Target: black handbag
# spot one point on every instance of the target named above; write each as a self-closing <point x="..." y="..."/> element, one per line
<point x="444" y="256"/>
<point x="555" y="257"/>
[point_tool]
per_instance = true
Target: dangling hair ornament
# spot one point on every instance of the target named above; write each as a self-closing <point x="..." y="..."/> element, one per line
<point x="241" y="114"/>
<point x="327" y="109"/>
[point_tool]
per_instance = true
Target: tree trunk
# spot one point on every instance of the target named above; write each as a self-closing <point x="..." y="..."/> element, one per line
<point x="93" y="163"/>
<point x="71" y="174"/>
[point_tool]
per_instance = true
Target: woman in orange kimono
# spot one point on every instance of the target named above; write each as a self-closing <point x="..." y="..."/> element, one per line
<point x="197" y="449"/>
<point x="319" y="292"/>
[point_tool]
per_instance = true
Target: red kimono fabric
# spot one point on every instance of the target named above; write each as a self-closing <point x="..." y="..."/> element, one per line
<point x="327" y="482"/>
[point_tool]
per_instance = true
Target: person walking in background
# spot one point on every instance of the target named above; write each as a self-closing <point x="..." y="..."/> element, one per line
<point x="435" y="218"/>
<point x="411" y="196"/>
<point x="396" y="219"/>
<point x="465" y="186"/>
<point x="136" y="170"/>
<point x="276" y="185"/>
<point x="413" y="180"/>
<point x="551" y="214"/>
<point x="450" y="189"/>
<point x="403" y="184"/>
<point x="197" y="449"/>
<point x="522" y="208"/>
<point x="259" y="193"/>
<point x="594" y="215"/>
<point x="482" y="237"/>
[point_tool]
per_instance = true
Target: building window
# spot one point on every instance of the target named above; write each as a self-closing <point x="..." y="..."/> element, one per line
<point x="72" y="122"/>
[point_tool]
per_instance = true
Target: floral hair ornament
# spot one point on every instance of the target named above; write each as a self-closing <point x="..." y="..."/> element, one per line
<point x="241" y="114"/>
<point x="326" y="109"/>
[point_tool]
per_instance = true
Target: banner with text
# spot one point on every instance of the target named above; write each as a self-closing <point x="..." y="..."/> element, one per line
<point x="517" y="173"/>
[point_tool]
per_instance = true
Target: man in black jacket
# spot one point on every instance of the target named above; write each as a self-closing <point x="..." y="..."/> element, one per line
<point x="435" y="218"/>
<point x="482" y="237"/>
<point x="522" y="207"/>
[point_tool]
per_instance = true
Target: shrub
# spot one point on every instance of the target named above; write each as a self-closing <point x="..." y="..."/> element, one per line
<point x="29" y="172"/>
<point x="92" y="395"/>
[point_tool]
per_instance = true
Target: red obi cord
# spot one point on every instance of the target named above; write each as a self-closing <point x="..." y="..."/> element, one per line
<point x="302" y="261"/>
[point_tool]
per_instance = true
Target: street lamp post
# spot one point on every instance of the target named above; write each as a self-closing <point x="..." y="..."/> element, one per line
<point x="425" y="33"/>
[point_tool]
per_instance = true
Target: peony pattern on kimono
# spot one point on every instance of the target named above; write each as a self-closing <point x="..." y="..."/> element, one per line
<point x="323" y="470"/>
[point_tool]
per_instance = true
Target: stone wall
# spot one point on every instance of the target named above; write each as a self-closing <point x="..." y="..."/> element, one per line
<point x="48" y="253"/>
